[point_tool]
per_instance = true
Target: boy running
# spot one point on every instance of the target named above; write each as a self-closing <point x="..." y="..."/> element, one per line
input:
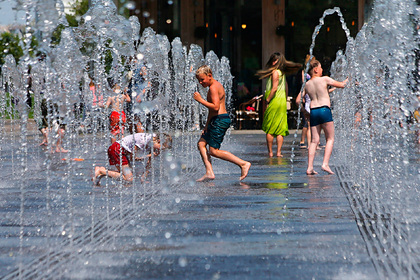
<point x="218" y="122"/>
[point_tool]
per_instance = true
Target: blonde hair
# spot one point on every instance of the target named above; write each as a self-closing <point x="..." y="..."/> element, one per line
<point x="205" y="69"/>
<point x="285" y="66"/>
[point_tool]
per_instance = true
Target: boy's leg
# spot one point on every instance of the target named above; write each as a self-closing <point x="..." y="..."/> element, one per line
<point x="44" y="132"/>
<point x="329" y="137"/>
<point x="205" y="156"/>
<point x="302" y="137"/>
<point x="315" y="131"/>
<point x="59" y="147"/>
<point x="270" y="139"/>
<point x="225" y="155"/>
<point x="101" y="172"/>
<point x="279" y="139"/>
<point x="308" y="133"/>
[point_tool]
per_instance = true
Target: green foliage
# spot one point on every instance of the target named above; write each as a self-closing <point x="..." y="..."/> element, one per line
<point x="79" y="8"/>
<point x="10" y="44"/>
<point x="56" y="35"/>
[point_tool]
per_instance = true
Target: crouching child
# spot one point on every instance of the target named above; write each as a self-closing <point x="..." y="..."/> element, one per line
<point x="121" y="153"/>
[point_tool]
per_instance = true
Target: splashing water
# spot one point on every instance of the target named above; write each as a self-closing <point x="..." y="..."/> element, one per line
<point x="107" y="49"/>
<point x="375" y="135"/>
<point x="375" y="151"/>
<point x="375" y="156"/>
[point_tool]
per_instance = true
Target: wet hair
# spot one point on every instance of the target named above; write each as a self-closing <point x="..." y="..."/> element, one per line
<point x="167" y="140"/>
<point x="205" y="69"/>
<point x="116" y="88"/>
<point x="314" y="63"/>
<point x="285" y="66"/>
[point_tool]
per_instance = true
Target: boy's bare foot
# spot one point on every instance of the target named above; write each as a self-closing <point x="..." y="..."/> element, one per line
<point x="44" y="143"/>
<point x="270" y="154"/>
<point x="327" y="169"/>
<point x="244" y="170"/>
<point x="311" y="172"/>
<point x="206" y="177"/>
<point x="279" y="155"/>
<point x="61" y="150"/>
<point x="97" y="176"/>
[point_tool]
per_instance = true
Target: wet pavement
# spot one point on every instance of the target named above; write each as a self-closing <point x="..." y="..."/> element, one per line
<point x="278" y="223"/>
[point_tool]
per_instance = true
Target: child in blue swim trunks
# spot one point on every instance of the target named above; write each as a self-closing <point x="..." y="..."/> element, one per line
<point x="218" y="122"/>
<point x="321" y="117"/>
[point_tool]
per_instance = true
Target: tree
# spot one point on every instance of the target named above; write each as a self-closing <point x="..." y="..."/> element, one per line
<point x="10" y="44"/>
<point x="79" y="8"/>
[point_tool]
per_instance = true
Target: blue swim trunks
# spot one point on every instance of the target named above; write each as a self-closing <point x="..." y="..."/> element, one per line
<point x="216" y="130"/>
<point x="320" y="115"/>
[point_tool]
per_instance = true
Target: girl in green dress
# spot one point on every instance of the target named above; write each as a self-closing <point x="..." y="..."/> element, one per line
<point x="275" y="116"/>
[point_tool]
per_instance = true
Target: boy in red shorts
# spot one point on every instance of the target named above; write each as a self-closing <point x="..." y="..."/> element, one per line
<point x="117" y="119"/>
<point x="122" y="152"/>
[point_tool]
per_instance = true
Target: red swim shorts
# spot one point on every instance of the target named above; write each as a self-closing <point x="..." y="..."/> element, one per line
<point x="114" y="121"/>
<point x="114" y="153"/>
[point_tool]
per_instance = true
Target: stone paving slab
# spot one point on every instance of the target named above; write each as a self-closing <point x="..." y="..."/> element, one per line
<point x="278" y="223"/>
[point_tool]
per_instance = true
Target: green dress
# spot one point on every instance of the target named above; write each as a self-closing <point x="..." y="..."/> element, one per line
<point x="275" y="116"/>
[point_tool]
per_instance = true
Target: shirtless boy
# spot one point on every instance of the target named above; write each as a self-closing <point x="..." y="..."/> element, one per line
<point x="218" y="122"/>
<point x="117" y="117"/>
<point x="321" y="117"/>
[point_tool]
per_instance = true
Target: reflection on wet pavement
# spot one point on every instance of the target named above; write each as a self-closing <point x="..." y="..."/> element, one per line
<point x="273" y="225"/>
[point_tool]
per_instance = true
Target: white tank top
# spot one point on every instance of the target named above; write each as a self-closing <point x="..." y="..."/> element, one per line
<point x="142" y="140"/>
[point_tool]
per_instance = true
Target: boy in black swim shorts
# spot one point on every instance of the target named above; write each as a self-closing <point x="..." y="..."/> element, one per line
<point x="218" y="122"/>
<point x="321" y="118"/>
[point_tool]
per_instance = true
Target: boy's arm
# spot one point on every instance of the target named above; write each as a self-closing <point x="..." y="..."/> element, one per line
<point x="275" y="81"/>
<point x="156" y="149"/>
<point x="300" y="97"/>
<point x="127" y="97"/>
<point x="143" y="157"/>
<point x="213" y="96"/>
<point x="108" y="102"/>
<point x="334" y="83"/>
<point x="146" y="172"/>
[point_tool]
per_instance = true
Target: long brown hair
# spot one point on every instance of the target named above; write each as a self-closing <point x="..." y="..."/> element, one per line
<point x="285" y="66"/>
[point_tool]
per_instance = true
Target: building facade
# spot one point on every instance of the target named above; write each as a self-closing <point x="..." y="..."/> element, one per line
<point x="249" y="31"/>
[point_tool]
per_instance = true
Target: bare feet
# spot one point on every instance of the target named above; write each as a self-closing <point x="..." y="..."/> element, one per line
<point x="279" y="155"/>
<point x="326" y="168"/>
<point x="61" y="150"/>
<point x="311" y="172"/>
<point x="44" y="143"/>
<point x="98" y="175"/>
<point x="244" y="170"/>
<point x="206" y="177"/>
<point x="270" y="154"/>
